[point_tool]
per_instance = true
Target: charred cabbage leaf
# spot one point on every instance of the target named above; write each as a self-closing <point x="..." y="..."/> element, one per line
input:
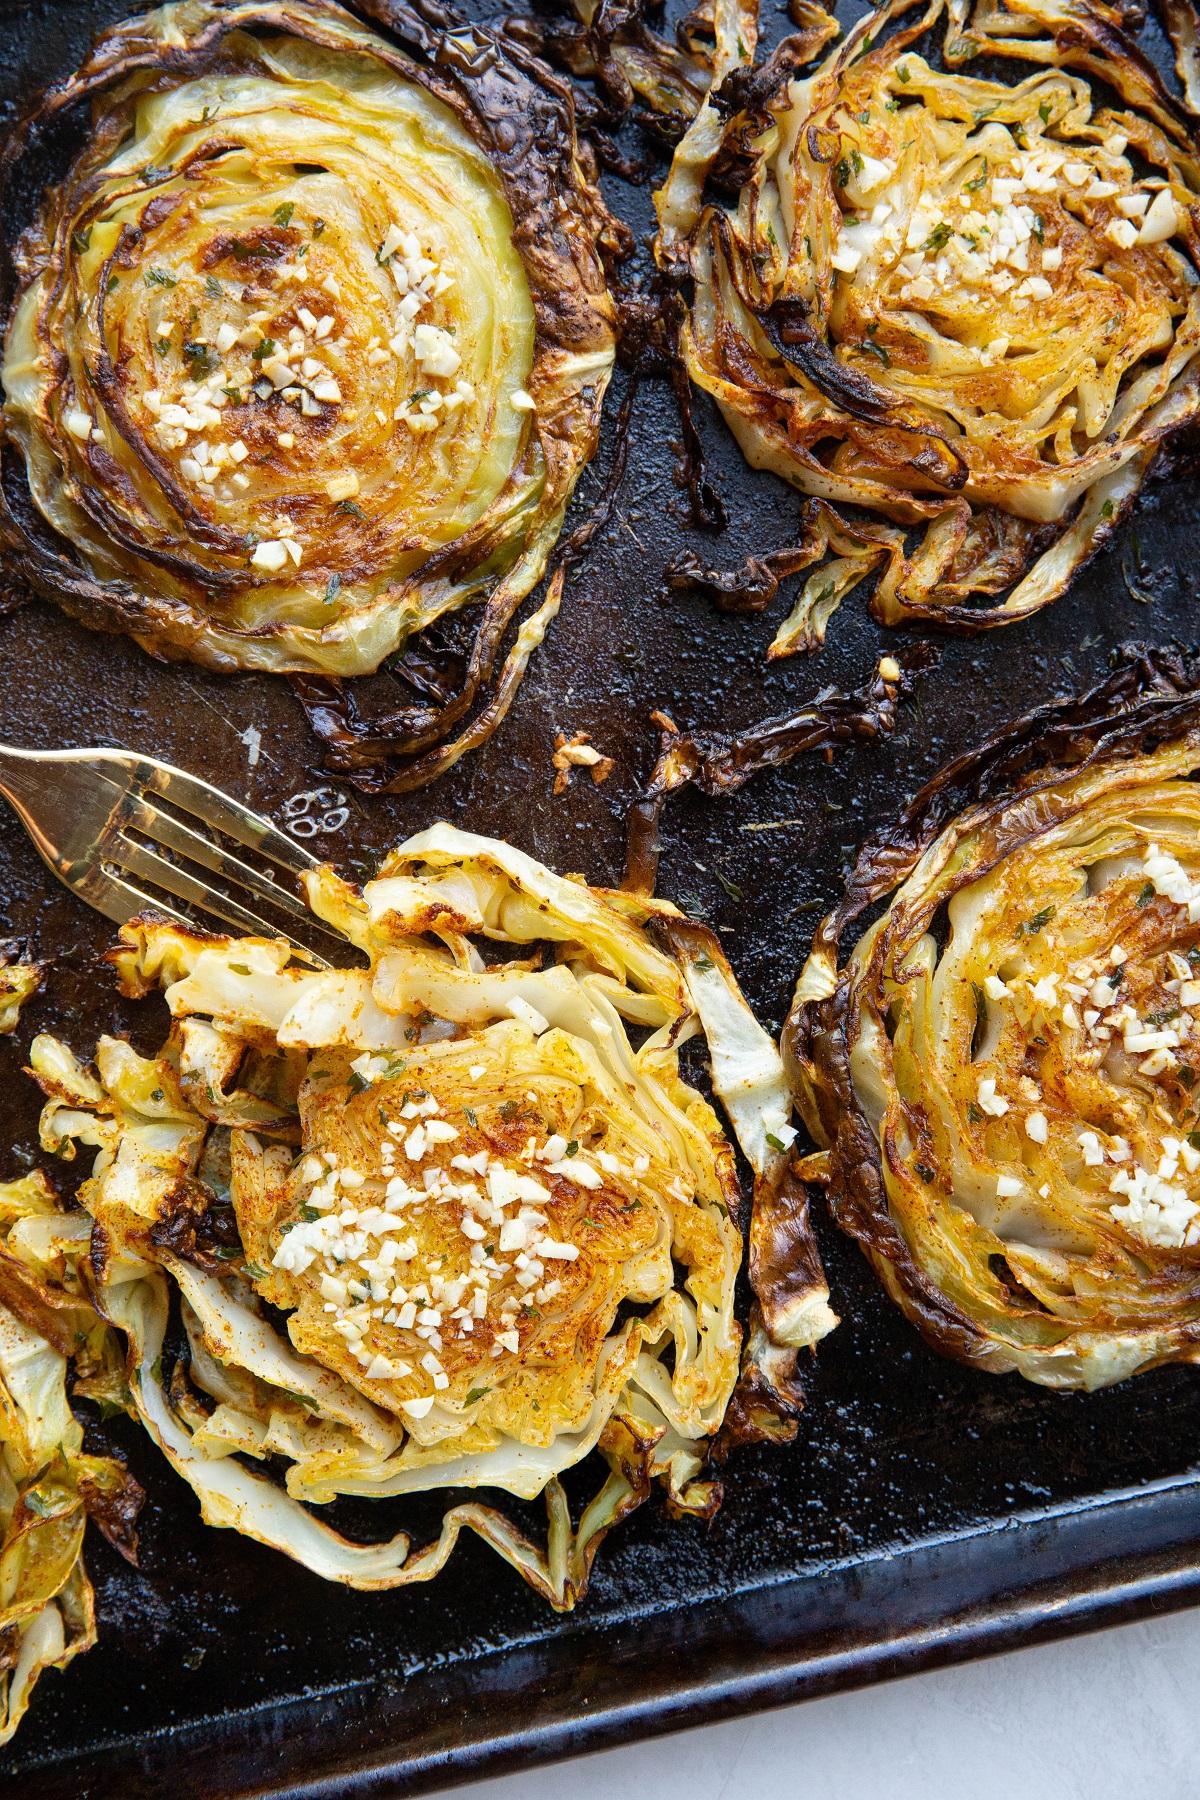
<point x="965" y="304"/>
<point x="309" y="347"/>
<point x="502" y="1237"/>
<point x="1006" y="1069"/>
<point x="48" y="1485"/>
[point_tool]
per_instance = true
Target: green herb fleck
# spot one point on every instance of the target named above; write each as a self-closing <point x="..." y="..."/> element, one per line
<point x="1146" y="895"/>
<point x="477" y="1394"/>
<point x="234" y="394"/>
<point x="254" y="1272"/>
<point x="924" y="1171"/>
<point x="159" y="278"/>
<point x="1039" y="228"/>
<point x="309" y="1214"/>
<point x="471" y="1117"/>
<point x="332" y="589"/>
<point x="775" y="1143"/>
<point x="973" y="1113"/>
<point x="980" y="181"/>
<point x="573" y="1147"/>
<point x="508" y="1111"/>
<point x="1106" y="511"/>
<point x="1163" y="1018"/>
<point x="348" y="507"/>
<point x="261" y="351"/>
<point x="213" y="287"/>
<point x="240" y="968"/>
<point x="318" y="227"/>
<point x="705" y="962"/>
<point x="902" y="74"/>
<point x="730" y="887"/>
<point x="283" y="214"/>
<point x="869" y="344"/>
<point x="986" y="112"/>
<point x="201" y="360"/>
<point x="1187" y="1076"/>
<point x="113" y="281"/>
<point x="1044" y="112"/>
<point x="357" y="1082"/>
<point x="1037" y="922"/>
<point x="938" y="238"/>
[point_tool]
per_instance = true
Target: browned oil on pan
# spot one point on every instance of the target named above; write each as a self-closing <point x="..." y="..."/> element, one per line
<point x="925" y="1513"/>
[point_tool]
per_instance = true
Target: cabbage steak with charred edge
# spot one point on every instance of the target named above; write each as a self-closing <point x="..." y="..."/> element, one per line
<point x="1009" y="1120"/>
<point x="950" y="301"/>
<point x="370" y="1126"/>
<point x="308" y="555"/>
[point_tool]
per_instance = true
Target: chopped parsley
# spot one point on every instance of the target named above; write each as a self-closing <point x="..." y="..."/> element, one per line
<point x="332" y="589"/>
<point x="938" y="238"/>
<point x="159" y="278"/>
<point x="475" y="1394"/>
<point x="261" y="351"/>
<point x="283" y="214"/>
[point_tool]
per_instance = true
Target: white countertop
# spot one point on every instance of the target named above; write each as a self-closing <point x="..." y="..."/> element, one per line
<point x="1111" y="1716"/>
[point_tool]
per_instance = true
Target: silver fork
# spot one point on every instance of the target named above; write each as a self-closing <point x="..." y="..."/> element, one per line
<point x="82" y="808"/>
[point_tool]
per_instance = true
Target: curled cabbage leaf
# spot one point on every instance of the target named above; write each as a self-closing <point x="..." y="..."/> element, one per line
<point x="48" y="1485"/>
<point x="310" y="345"/>
<point x="501" y="1235"/>
<point x="1005" y="1071"/>
<point x="966" y="303"/>
<point x="19" y="980"/>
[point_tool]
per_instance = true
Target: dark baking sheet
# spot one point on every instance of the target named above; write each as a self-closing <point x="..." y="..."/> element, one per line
<point x="925" y="1513"/>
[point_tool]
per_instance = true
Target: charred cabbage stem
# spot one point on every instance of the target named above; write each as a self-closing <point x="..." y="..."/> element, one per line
<point x="1005" y="1070"/>
<point x="720" y="765"/>
<point x="968" y="306"/>
<point x="308" y="349"/>
<point x="49" y="1328"/>
<point x="502" y="1237"/>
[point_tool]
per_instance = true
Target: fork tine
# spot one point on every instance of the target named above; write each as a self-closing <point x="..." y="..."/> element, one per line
<point x="173" y="834"/>
<point x="217" y="810"/>
<point x="137" y="860"/>
<point x="120" y="901"/>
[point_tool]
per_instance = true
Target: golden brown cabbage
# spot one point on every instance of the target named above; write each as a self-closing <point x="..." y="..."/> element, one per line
<point x="48" y="1485"/>
<point x="965" y="303"/>
<point x="501" y="1235"/>
<point x="310" y="345"/>
<point x="1006" y="1069"/>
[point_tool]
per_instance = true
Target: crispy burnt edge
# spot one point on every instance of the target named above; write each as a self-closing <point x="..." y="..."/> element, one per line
<point x="719" y="765"/>
<point x="522" y="117"/>
<point x="784" y="1261"/>
<point x="1152" y="697"/>
<point x="747" y="111"/>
